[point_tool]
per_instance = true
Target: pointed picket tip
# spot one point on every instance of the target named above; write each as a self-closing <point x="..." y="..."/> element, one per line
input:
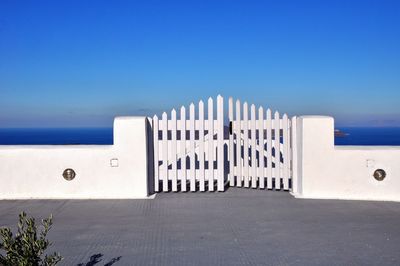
<point x="245" y="104"/>
<point x="261" y="113"/>
<point x="276" y="113"/>
<point x="164" y="115"/>
<point x="201" y="109"/>
<point x="269" y="114"/>
<point x="285" y="116"/>
<point x="183" y="108"/>
<point x="155" y="117"/>
<point x="237" y="101"/>
<point x="219" y="96"/>
<point x="173" y="111"/>
<point x="231" y="98"/>
<point x="253" y="111"/>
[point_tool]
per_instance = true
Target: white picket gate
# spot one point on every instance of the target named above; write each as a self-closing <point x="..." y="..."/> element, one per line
<point x="194" y="154"/>
<point x="190" y="151"/>
<point x="259" y="148"/>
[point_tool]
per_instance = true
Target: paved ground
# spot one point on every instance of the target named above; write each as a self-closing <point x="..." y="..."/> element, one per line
<point x="238" y="227"/>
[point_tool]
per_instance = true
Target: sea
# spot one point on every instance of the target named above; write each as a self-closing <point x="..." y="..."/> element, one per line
<point x="370" y="136"/>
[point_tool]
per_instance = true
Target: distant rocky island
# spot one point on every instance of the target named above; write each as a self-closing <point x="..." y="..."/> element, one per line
<point x="340" y="134"/>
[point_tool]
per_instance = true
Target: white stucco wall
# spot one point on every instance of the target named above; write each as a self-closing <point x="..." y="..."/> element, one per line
<point x="342" y="172"/>
<point x="36" y="171"/>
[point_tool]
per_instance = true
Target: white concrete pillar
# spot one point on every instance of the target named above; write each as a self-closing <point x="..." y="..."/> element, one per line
<point x="315" y="146"/>
<point x="131" y="145"/>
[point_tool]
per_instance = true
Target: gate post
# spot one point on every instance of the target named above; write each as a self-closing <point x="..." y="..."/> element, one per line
<point x="315" y="144"/>
<point x="131" y="147"/>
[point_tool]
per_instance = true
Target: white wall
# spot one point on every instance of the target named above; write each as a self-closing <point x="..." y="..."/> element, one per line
<point x="36" y="171"/>
<point x="342" y="172"/>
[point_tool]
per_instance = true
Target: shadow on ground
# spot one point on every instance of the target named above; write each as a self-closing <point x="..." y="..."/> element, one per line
<point x="97" y="258"/>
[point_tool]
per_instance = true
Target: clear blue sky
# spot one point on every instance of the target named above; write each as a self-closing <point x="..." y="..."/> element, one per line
<point x="80" y="63"/>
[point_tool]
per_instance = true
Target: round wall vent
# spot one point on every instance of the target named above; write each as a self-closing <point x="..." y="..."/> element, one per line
<point x="379" y="174"/>
<point x="69" y="174"/>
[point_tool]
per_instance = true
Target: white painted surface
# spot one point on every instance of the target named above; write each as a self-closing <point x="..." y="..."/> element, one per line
<point x="253" y="147"/>
<point x="199" y="146"/>
<point x="192" y="150"/>
<point x="220" y="143"/>
<point x="246" y="144"/>
<point x="174" y="152"/>
<point x="183" y="149"/>
<point x="269" y="148"/>
<point x="286" y="146"/>
<point x="238" y="133"/>
<point x="256" y="138"/>
<point x="156" y="155"/>
<point x="231" y="175"/>
<point x="328" y="171"/>
<point x="277" y="146"/>
<point x="102" y="171"/>
<point x="165" y="151"/>
<point x="261" y="168"/>
<point x="210" y="150"/>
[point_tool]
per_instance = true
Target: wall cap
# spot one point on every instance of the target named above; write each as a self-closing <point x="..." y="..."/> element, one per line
<point x="315" y="117"/>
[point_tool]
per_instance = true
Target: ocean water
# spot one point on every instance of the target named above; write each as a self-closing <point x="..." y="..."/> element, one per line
<point x="386" y="136"/>
<point x="55" y="136"/>
<point x="104" y="136"/>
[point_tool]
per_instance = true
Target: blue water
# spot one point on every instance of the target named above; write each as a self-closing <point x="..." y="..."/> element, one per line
<point x="58" y="136"/>
<point x="369" y="136"/>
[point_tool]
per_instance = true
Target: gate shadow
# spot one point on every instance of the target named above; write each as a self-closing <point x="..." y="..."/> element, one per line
<point x="97" y="258"/>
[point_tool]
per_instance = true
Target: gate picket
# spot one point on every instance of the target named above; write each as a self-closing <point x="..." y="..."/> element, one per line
<point x="210" y="144"/>
<point x="238" y="132"/>
<point x="220" y="139"/>
<point x="201" y="146"/>
<point x="269" y="149"/>
<point x="246" y="144"/>
<point x="277" y="156"/>
<point x="183" y="149"/>
<point x="253" y="147"/>
<point x="231" y="147"/>
<point x="156" y="156"/>
<point x="192" y="149"/>
<point x="173" y="152"/>
<point x="165" y="151"/>
<point x="285" y="152"/>
<point x="260" y="146"/>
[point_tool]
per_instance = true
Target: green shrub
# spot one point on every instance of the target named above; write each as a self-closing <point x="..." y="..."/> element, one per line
<point x="27" y="247"/>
